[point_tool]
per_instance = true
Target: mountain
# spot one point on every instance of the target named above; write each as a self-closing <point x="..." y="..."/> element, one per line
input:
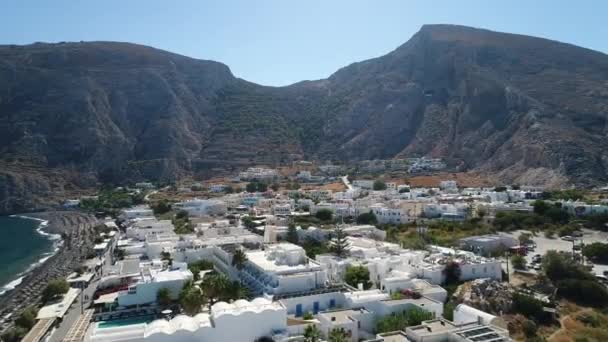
<point x="525" y="109"/>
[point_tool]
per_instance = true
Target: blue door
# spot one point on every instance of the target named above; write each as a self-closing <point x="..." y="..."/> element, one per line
<point x="298" y="310"/>
<point x="332" y="303"/>
<point x="315" y="307"/>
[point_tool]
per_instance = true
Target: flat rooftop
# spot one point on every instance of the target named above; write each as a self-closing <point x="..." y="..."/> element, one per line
<point x="422" y="301"/>
<point x="395" y="336"/>
<point x="341" y="316"/>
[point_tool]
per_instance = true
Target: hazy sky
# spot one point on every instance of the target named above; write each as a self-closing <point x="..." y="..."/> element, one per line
<point x="280" y="42"/>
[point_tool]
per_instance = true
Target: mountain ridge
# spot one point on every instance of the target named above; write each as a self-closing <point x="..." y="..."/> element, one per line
<point x="111" y="112"/>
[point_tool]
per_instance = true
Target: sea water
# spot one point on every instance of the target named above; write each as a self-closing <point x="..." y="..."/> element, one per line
<point x="23" y="245"/>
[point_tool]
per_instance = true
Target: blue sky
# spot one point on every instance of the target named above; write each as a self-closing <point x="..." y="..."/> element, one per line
<point x="278" y="42"/>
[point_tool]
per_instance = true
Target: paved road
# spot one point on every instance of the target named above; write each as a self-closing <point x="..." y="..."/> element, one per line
<point x="74" y="312"/>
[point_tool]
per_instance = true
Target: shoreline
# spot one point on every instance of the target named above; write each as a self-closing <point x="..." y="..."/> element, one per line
<point x="56" y="244"/>
<point x="75" y="242"/>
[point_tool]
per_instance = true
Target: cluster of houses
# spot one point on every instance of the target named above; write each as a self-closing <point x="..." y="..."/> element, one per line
<point x="289" y="291"/>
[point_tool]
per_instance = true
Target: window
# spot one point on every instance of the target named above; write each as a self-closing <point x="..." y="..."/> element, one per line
<point x="473" y="270"/>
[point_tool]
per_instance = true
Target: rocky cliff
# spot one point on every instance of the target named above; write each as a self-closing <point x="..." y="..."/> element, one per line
<point x="529" y="110"/>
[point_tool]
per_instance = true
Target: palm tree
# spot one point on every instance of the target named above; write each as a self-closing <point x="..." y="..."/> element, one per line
<point x="192" y="299"/>
<point x="215" y="286"/>
<point x="337" y="335"/>
<point x="239" y="258"/>
<point x="236" y="291"/>
<point x="312" y="334"/>
<point x="163" y="297"/>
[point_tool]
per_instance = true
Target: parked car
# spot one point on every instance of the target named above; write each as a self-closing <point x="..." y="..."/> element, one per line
<point x="567" y="238"/>
<point x="537" y="258"/>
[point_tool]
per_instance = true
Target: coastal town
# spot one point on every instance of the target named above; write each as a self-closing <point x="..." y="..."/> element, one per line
<point x="319" y="252"/>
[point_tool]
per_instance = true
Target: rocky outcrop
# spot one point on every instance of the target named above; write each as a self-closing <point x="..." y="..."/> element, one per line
<point x="528" y="110"/>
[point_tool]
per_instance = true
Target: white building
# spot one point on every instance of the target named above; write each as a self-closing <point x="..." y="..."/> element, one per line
<point x="386" y="215"/>
<point x="363" y="184"/>
<point x="282" y="268"/>
<point x="442" y="330"/>
<point x="137" y="212"/>
<point x="145" y="289"/>
<point x="259" y="174"/>
<point x="485" y="244"/>
<point x="217" y="187"/>
<point x="242" y="320"/>
<point x="448" y="186"/>
<point x="281" y="209"/>
<point x="203" y="207"/>
<point x="150" y="226"/>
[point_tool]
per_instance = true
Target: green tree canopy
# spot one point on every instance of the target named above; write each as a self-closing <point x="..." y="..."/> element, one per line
<point x="191" y="299"/>
<point x="55" y="288"/>
<point x="161" y="207"/>
<point x="518" y="262"/>
<point x="163" y="297"/>
<point x="324" y="214"/>
<point x="312" y="333"/>
<point x="379" y="185"/>
<point x="27" y="318"/>
<point x="355" y="275"/>
<point x="596" y="252"/>
<point x="239" y="259"/>
<point x="292" y="234"/>
<point x="339" y="243"/>
<point x="451" y="272"/>
<point x="402" y="320"/>
<point x="367" y="218"/>
<point x="337" y="335"/>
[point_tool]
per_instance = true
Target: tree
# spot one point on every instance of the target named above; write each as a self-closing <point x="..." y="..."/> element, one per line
<point x="529" y="328"/>
<point x="379" y="185"/>
<point x="312" y="333"/>
<point x="55" y="288"/>
<point x="518" y="262"/>
<point x="182" y="215"/>
<point x="339" y="243"/>
<point x="525" y="239"/>
<point x="14" y="334"/>
<point x="404" y="190"/>
<point x="573" y="281"/>
<point x="324" y="214"/>
<point x="527" y="306"/>
<point x="558" y="267"/>
<point x="256" y="187"/>
<point x="161" y="207"/>
<point x="356" y="275"/>
<point x="367" y="218"/>
<point x="239" y="258"/>
<point x="274" y="187"/>
<point x="166" y="256"/>
<point x="214" y="286"/>
<point x="337" y="335"/>
<point x="248" y="222"/>
<point x="235" y="291"/>
<point x="191" y="299"/>
<point x="401" y="320"/>
<point x="500" y="189"/>
<point x="540" y="207"/>
<point x="27" y="319"/>
<point x="292" y="234"/>
<point x="596" y="252"/>
<point x="451" y="272"/>
<point x="163" y="297"/>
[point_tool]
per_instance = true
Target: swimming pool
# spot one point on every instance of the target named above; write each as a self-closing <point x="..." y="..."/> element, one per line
<point x="123" y="322"/>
